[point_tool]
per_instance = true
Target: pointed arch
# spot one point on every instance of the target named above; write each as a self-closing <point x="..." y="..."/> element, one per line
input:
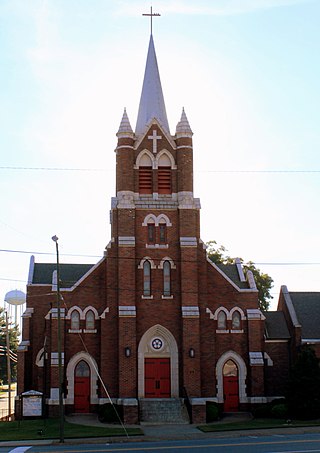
<point x="150" y="218"/>
<point x="74" y="308"/>
<point x="169" y="349"/>
<point x="167" y="258"/>
<point x="242" y="373"/>
<point x="145" y="159"/>
<point x="146" y="258"/>
<point x="165" y="158"/>
<point x="73" y="362"/>
<point x="163" y="218"/>
<point x="88" y="308"/>
<point x="243" y="316"/>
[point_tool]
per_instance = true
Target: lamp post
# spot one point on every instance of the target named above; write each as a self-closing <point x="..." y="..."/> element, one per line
<point x="61" y="409"/>
<point x="8" y="367"/>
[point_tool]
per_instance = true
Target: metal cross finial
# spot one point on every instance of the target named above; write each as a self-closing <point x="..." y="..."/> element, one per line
<point x="151" y="14"/>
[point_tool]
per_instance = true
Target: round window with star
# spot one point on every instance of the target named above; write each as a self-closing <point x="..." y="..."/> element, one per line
<point x="157" y="344"/>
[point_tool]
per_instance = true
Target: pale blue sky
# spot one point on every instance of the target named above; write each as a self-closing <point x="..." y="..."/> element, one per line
<point x="247" y="73"/>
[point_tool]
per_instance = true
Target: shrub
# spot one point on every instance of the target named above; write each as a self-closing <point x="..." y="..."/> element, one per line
<point x="107" y="413"/>
<point x="279" y="411"/>
<point x="212" y="412"/>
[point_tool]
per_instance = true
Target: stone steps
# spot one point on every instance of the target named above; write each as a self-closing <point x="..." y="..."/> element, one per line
<point x="163" y="410"/>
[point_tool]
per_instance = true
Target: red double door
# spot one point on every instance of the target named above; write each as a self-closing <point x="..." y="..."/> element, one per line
<point x="82" y="388"/>
<point x="231" y="393"/>
<point x="157" y="378"/>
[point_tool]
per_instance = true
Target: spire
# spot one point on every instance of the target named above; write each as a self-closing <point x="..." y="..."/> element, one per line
<point x="151" y="101"/>
<point x="183" y="127"/>
<point x="125" y="126"/>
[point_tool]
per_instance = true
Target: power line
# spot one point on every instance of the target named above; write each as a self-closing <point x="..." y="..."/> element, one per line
<point x="197" y="171"/>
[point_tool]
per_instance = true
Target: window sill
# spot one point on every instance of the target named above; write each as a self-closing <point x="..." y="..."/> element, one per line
<point x="157" y="246"/>
<point x="236" y="331"/>
<point x="75" y="331"/>
<point x="167" y="297"/>
<point x="222" y="331"/>
<point x="90" y="331"/>
<point x="146" y="297"/>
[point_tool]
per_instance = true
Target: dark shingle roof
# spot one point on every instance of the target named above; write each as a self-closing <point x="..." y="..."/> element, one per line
<point x="231" y="271"/>
<point x="307" y="308"/>
<point x="275" y="326"/>
<point x="69" y="273"/>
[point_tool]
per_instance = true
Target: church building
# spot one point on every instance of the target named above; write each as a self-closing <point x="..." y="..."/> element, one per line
<point x="154" y="326"/>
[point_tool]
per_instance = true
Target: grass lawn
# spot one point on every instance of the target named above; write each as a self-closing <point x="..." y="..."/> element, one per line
<point x="30" y="429"/>
<point x="258" y="423"/>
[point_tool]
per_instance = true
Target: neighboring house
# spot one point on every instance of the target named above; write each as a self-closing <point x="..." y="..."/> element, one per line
<point x="155" y="320"/>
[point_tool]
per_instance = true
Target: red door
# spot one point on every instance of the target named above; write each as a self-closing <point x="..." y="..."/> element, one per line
<point x="230" y="387"/>
<point x="82" y="388"/>
<point x="157" y="378"/>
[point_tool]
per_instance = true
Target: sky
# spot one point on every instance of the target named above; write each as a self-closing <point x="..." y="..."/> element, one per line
<point x="247" y="73"/>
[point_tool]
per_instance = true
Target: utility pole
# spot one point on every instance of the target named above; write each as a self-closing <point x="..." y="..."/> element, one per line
<point x="8" y="367"/>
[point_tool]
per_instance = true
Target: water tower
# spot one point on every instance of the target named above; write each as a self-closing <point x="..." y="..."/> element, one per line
<point x="16" y="299"/>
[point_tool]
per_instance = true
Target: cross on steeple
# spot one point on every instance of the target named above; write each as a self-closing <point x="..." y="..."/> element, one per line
<point x="151" y="14"/>
<point x="154" y="137"/>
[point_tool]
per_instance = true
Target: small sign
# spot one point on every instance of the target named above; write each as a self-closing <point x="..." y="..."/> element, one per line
<point x="31" y="404"/>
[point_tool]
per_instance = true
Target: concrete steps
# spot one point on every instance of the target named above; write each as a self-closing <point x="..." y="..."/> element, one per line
<point x="163" y="410"/>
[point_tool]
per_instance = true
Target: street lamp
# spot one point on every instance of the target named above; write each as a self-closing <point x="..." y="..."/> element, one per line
<point x="61" y="411"/>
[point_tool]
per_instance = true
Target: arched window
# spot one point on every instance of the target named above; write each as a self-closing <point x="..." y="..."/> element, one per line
<point x="75" y="320"/>
<point x="222" y="320"/>
<point x="145" y="175"/>
<point x="151" y="233"/>
<point x="162" y="233"/>
<point x="82" y="369"/>
<point x="164" y="175"/>
<point x="230" y="368"/>
<point x="90" y="320"/>
<point x="236" y="321"/>
<point x="166" y="279"/>
<point x="147" y="278"/>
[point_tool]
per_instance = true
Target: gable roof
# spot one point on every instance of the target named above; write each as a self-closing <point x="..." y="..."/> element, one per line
<point x="307" y="308"/>
<point x="275" y="326"/>
<point x="231" y="271"/>
<point x="69" y="273"/>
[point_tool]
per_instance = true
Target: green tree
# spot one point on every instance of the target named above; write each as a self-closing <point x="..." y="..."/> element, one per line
<point x="303" y="392"/>
<point x="219" y="255"/>
<point x="13" y="341"/>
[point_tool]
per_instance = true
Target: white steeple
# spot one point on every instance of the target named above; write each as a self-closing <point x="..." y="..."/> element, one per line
<point x="151" y="101"/>
<point x="125" y="128"/>
<point x="183" y="127"/>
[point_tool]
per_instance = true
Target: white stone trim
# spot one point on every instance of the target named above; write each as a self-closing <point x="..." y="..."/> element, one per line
<point x="73" y="362"/>
<point x="146" y="297"/>
<point x="216" y="313"/>
<point x="255" y="314"/>
<point x="256" y="358"/>
<point x="251" y="280"/>
<point x="157" y="246"/>
<point x="72" y="309"/>
<point x="170" y="157"/>
<point x="187" y="201"/>
<point x="268" y="359"/>
<point x="127" y="311"/>
<point x="170" y="349"/>
<point x="88" y="308"/>
<point x="222" y="331"/>
<point x="186" y="241"/>
<point x="236" y="331"/>
<point x="161" y="218"/>
<point x="40" y="358"/>
<point x="103" y="315"/>
<point x="211" y="315"/>
<point x="147" y="258"/>
<point x="31" y="270"/>
<point x="190" y="312"/>
<point x="24" y="346"/>
<point x="125" y="199"/>
<point x="184" y="146"/>
<point x="242" y="375"/>
<point x="28" y="313"/>
<point x="55" y="358"/>
<point x="140" y="156"/>
<point x="126" y="241"/>
<point x="167" y="258"/>
<point x="74" y="330"/>
<point x="310" y="341"/>
<point x="289" y="304"/>
<point x="166" y="297"/>
<point x="240" y="269"/>
<point x="240" y="290"/>
<point x="125" y="146"/>
<point x="242" y="315"/>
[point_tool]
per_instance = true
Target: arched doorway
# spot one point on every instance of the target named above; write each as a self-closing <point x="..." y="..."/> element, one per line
<point x="230" y="386"/>
<point x="82" y="387"/>
<point x="158" y="364"/>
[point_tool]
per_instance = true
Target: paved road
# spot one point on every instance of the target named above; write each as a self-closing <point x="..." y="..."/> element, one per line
<point x="301" y="443"/>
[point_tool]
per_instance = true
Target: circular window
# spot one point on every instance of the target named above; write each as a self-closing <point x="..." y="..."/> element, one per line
<point x="157" y="344"/>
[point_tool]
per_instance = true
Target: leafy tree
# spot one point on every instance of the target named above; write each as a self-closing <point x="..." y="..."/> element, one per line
<point x="303" y="392"/>
<point x="219" y="255"/>
<point x="13" y="341"/>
